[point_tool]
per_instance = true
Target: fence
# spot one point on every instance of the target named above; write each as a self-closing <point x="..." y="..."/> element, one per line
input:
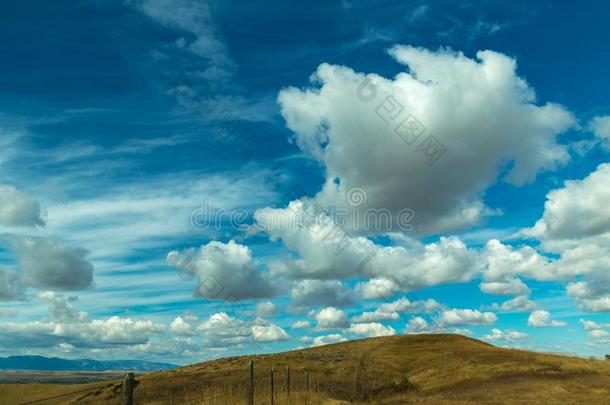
<point x="276" y="389"/>
<point x="279" y="387"/>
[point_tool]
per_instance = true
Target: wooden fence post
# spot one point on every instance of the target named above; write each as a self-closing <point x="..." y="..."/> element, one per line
<point x="272" y="386"/>
<point x="128" y="386"/>
<point x="251" y="384"/>
<point x="288" y="380"/>
<point x="307" y="381"/>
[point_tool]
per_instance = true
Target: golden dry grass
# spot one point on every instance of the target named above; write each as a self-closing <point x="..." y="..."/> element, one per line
<point x="417" y="369"/>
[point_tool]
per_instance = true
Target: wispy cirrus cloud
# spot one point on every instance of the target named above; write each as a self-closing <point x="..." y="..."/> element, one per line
<point x="194" y="18"/>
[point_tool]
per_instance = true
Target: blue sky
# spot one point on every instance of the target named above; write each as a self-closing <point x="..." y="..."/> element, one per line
<point x="150" y="151"/>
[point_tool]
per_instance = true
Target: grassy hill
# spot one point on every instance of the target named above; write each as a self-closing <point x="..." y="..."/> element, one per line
<point x="428" y="369"/>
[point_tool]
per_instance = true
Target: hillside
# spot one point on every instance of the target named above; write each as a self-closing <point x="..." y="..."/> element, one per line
<point x="58" y="364"/>
<point x="431" y="369"/>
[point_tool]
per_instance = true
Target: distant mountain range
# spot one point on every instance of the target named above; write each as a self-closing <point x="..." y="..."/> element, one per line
<point x="56" y="364"/>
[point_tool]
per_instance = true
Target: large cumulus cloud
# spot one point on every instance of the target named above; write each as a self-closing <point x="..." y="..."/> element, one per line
<point x="579" y="209"/>
<point x="483" y="113"/>
<point x="225" y="271"/>
<point x="575" y="225"/>
<point x="328" y="252"/>
<point x="18" y="208"/>
<point x="51" y="264"/>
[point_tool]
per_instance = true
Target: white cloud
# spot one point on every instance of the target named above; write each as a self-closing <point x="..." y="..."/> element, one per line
<point x="268" y="333"/>
<point x="576" y="224"/>
<point x="68" y="326"/>
<point x="600" y="126"/>
<point x="218" y="322"/>
<point x="392" y="310"/>
<point x="593" y="296"/>
<point x="592" y="325"/>
<point x="11" y="288"/>
<point x="181" y="327"/>
<point x="460" y="317"/>
<point x="50" y="264"/>
<point x="327" y="252"/>
<point x="463" y="331"/>
<point x="577" y="210"/>
<point x="496" y="123"/>
<point x="542" y="319"/>
<point x="504" y="263"/>
<point x="312" y="235"/>
<point x="371" y="329"/>
<point x="307" y="293"/>
<point x="421" y="265"/>
<point x="519" y="304"/>
<point x="265" y="309"/>
<point x="61" y="309"/>
<point x="417" y="324"/>
<point x="377" y="288"/>
<point x="597" y="334"/>
<point x="328" y="339"/>
<point x="506" y="335"/>
<point x="591" y="258"/>
<point x="404" y="305"/>
<point x="190" y="316"/>
<point x="301" y="325"/>
<point x="18" y="208"/>
<point x="418" y="13"/>
<point x="510" y="287"/>
<point x="222" y="330"/>
<point x="194" y="17"/>
<point x="596" y="331"/>
<point x="376" y="316"/>
<point x="225" y="271"/>
<point x="331" y="318"/>
<point x="124" y="330"/>
<point x="305" y="339"/>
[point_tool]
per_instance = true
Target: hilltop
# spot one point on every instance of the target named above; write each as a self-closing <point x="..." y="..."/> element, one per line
<point x="433" y="369"/>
